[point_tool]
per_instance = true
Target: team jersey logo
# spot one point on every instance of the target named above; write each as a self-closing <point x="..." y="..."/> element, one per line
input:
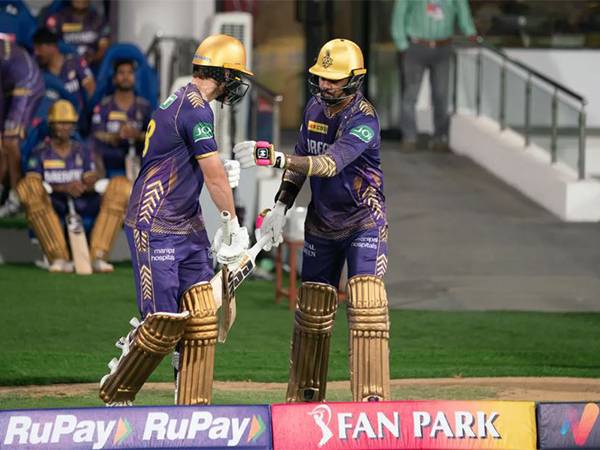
<point x="202" y="131"/>
<point x="168" y="102"/>
<point x="118" y="116"/>
<point x="364" y="132"/>
<point x="54" y="164"/>
<point x="317" y="127"/>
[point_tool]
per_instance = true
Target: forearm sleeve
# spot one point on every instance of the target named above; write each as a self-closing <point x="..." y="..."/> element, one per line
<point x="290" y="187"/>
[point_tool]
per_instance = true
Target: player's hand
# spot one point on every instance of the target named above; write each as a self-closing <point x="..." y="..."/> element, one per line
<point x="75" y="189"/>
<point x="128" y="131"/>
<point x="272" y="223"/>
<point x="243" y="152"/>
<point x="231" y="253"/>
<point x="232" y="169"/>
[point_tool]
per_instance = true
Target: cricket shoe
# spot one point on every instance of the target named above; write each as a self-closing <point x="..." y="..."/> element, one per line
<point x="61" y="266"/>
<point x="11" y="207"/>
<point x="101" y="266"/>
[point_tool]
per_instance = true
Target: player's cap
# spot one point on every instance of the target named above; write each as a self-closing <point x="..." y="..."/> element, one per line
<point x="62" y="111"/>
<point x="224" y="51"/>
<point x="339" y="59"/>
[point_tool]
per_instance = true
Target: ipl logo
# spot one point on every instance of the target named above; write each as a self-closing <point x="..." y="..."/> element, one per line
<point x="322" y="416"/>
<point x="582" y="427"/>
<point x="327" y="60"/>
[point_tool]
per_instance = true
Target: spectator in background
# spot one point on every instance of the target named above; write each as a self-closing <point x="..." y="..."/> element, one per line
<point x="120" y="120"/>
<point x="81" y="26"/>
<point x="72" y="70"/>
<point x="21" y="90"/>
<point x="422" y="30"/>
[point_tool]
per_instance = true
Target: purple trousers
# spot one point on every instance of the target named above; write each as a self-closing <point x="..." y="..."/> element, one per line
<point x="365" y="253"/>
<point x="165" y="266"/>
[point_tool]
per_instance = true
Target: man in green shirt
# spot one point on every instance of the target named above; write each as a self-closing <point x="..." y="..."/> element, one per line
<point x="422" y="30"/>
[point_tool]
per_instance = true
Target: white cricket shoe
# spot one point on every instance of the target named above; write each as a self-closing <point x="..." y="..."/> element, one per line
<point x="12" y="205"/>
<point x="101" y="266"/>
<point x="61" y="265"/>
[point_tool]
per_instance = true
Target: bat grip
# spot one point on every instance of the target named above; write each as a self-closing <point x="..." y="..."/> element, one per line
<point x="131" y="152"/>
<point x="71" y="205"/>
<point x="226" y="220"/>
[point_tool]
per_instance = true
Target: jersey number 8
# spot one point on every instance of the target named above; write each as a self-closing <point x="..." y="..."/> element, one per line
<point x="149" y="133"/>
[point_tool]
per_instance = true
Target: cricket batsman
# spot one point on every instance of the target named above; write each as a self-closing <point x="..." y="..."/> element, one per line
<point x="170" y="249"/>
<point x="59" y="168"/>
<point x="338" y="149"/>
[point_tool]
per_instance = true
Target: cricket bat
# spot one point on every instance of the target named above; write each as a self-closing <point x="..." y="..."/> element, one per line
<point x="78" y="241"/>
<point x="227" y="298"/>
<point x="132" y="162"/>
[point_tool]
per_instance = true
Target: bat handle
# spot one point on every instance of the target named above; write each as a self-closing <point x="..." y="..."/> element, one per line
<point x="71" y="205"/>
<point x="131" y="152"/>
<point x="226" y="220"/>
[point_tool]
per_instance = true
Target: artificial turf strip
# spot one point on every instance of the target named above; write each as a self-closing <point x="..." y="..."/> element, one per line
<point x="59" y="328"/>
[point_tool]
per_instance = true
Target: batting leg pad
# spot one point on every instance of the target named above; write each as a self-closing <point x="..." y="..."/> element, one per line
<point x="42" y="218"/>
<point x="313" y="325"/>
<point x="143" y="350"/>
<point x="110" y="218"/>
<point x="197" y="359"/>
<point x="369" y="332"/>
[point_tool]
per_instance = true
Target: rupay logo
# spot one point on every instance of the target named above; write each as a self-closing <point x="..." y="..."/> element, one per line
<point x="581" y="428"/>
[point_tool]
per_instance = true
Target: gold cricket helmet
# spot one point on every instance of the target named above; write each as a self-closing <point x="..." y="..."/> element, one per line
<point x="339" y="59"/>
<point x="220" y="50"/>
<point x="62" y="111"/>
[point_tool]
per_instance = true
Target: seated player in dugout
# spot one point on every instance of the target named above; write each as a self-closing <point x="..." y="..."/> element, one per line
<point x="170" y="249"/>
<point x="59" y="168"/>
<point x="338" y="149"/>
<point x="71" y="69"/>
<point x="119" y="121"/>
<point x="21" y="91"/>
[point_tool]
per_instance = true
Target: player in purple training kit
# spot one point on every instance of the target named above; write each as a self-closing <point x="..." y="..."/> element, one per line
<point x="81" y="26"/>
<point x="120" y="120"/>
<point x="170" y="249"/>
<point x="21" y="89"/>
<point x="338" y="149"/>
<point x="72" y="70"/>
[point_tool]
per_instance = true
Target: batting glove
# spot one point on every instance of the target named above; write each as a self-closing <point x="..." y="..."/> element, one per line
<point x="273" y="223"/>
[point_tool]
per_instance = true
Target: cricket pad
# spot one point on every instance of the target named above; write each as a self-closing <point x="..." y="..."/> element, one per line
<point x="197" y="360"/>
<point x="313" y="325"/>
<point x="369" y="327"/>
<point x="42" y="218"/>
<point x="148" y="344"/>
<point x="110" y="218"/>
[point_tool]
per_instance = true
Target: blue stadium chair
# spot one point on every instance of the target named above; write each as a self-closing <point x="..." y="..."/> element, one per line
<point x="17" y="20"/>
<point x="146" y="84"/>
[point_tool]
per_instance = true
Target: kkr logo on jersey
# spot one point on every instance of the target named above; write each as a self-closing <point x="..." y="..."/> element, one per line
<point x="168" y="102"/>
<point x="202" y="131"/>
<point x="317" y="127"/>
<point x="363" y="132"/>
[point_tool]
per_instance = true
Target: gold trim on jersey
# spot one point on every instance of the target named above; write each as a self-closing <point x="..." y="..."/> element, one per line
<point x="117" y="115"/>
<point x="146" y="283"/>
<point x="366" y="108"/>
<point x="151" y="198"/>
<point x="195" y="99"/>
<point x="206" y="155"/>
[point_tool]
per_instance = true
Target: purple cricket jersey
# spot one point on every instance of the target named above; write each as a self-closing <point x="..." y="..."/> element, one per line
<point x="352" y="200"/>
<point x="73" y="72"/>
<point x="83" y="34"/>
<point x="165" y="197"/>
<point x="54" y="169"/>
<point x="21" y="89"/>
<point x="107" y="120"/>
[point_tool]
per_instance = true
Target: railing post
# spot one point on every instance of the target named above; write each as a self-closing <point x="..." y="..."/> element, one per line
<point x="276" y="118"/>
<point x="527" y="109"/>
<point x="554" y="130"/>
<point x="502" y="114"/>
<point x="455" y="81"/>
<point x="581" y="157"/>
<point x="478" y="84"/>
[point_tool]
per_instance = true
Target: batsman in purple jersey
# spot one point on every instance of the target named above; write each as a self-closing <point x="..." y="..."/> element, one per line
<point x="169" y="245"/>
<point x="338" y="148"/>
<point x="21" y="90"/>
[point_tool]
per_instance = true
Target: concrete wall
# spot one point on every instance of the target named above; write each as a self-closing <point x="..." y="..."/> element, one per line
<point x="555" y="187"/>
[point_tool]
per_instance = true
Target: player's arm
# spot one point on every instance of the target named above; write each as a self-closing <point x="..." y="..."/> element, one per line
<point x="216" y="182"/>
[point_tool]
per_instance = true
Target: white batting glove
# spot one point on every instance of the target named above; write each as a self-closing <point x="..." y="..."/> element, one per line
<point x="231" y="253"/>
<point x="244" y="153"/>
<point x="273" y="223"/>
<point x="232" y="169"/>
